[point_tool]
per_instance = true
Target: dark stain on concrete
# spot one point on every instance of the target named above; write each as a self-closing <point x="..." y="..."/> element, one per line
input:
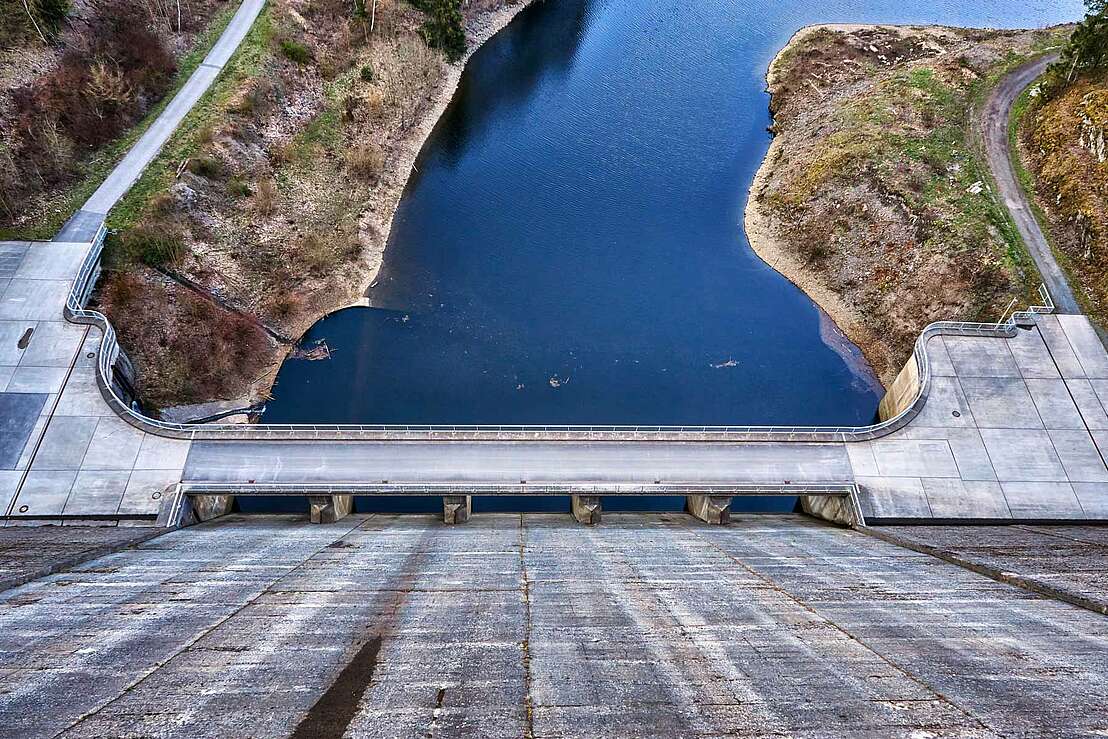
<point x="336" y="708"/>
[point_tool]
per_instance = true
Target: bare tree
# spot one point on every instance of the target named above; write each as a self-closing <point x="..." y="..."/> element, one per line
<point x="34" y="22"/>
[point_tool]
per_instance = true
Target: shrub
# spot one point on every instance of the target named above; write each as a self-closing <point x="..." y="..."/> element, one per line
<point x="366" y="74"/>
<point x="366" y="161"/>
<point x="265" y="197"/>
<point x="206" y="166"/>
<point x="152" y="244"/>
<point x="443" y="28"/>
<point x="237" y="187"/>
<point x="286" y="304"/>
<point x="295" y="51"/>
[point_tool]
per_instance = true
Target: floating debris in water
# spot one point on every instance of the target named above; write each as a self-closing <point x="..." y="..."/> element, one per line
<point x="316" y="353"/>
<point x="729" y="363"/>
<point x="556" y="381"/>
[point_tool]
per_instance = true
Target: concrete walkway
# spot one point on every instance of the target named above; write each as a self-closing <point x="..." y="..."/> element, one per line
<point x="995" y="117"/>
<point x="531" y="626"/>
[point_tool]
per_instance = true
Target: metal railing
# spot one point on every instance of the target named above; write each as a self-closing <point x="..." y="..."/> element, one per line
<point x="109" y="352"/>
<point x="528" y="489"/>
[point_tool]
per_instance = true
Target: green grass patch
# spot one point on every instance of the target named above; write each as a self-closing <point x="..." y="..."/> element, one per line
<point x="96" y="168"/>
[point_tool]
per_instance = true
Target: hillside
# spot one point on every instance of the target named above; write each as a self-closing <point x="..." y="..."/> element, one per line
<point x="873" y="197"/>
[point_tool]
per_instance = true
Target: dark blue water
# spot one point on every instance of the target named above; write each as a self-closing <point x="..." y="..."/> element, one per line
<point x="571" y="248"/>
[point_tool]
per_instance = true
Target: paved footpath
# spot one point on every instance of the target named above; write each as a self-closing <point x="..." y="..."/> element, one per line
<point x="399" y="626"/>
<point x="995" y="117"/>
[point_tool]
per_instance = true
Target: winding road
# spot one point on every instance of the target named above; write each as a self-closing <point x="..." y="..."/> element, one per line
<point x="994" y="121"/>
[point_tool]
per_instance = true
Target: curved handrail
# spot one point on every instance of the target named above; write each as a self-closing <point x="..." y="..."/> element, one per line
<point x="109" y="351"/>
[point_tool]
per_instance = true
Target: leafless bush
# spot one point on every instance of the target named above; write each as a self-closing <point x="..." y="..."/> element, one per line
<point x="366" y="161"/>
<point x="109" y="85"/>
<point x="409" y="80"/>
<point x="265" y="197"/>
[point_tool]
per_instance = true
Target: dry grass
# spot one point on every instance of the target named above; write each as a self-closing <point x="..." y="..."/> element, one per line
<point x="1064" y="139"/>
<point x="366" y="161"/>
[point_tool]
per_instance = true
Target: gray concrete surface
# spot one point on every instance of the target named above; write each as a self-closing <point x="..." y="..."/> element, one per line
<point x="1065" y="562"/>
<point x="31" y="552"/>
<point x="535" y="626"/>
<point x="994" y="118"/>
<point x="511" y="462"/>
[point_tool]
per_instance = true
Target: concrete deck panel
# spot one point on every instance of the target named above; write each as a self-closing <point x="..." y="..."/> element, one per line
<point x="1032" y="356"/>
<point x="974" y="358"/>
<point x="1023" y="455"/>
<point x="18" y="415"/>
<point x="1054" y="404"/>
<point x="645" y="626"/>
<point x="1060" y="349"/>
<point x="1000" y="402"/>
<point x="1086" y="345"/>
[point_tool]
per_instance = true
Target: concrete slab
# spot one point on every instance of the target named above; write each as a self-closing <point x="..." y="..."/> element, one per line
<point x="145" y="489"/>
<point x="1059" y="345"/>
<point x="1000" y="402"/>
<point x="1093" y="497"/>
<point x="893" y="497"/>
<point x="18" y="414"/>
<point x="1079" y="455"/>
<point x="1088" y="404"/>
<point x="52" y="261"/>
<point x="966" y="445"/>
<point x="44" y="493"/>
<point x="45" y="380"/>
<point x="976" y="357"/>
<point x="1042" y="500"/>
<point x="9" y="484"/>
<point x="1054" y="405"/>
<point x="11" y="256"/>
<point x="946" y="405"/>
<point x="114" y="445"/>
<point x="11" y="333"/>
<point x="34" y="300"/>
<point x="914" y="458"/>
<point x="1032" y="356"/>
<point x="158" y="453"/>
<point x="96" y="493"/>
<point x="938" y="358"/>
<point x="949" y="498"/>
<point x="65" y="442"/>
<point x="1023" y="455"/>
<point x="1086" y="345"/>
<point x="53" y="344"/>
<point x="862" y="461"/>
<point x="81" y="396"/>
<point x="31" y="445"/>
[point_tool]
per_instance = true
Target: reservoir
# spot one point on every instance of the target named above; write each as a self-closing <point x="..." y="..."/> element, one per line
<point x="570" y="248"/>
